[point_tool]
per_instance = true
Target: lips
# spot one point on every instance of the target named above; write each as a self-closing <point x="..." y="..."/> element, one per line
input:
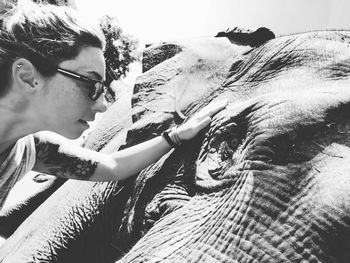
<point x="83" y="122"/>
<point x="87" y="120"/>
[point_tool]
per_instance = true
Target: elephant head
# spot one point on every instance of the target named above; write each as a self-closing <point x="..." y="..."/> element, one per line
<point x="266" y="182"/>
<point x="269" y="180"/>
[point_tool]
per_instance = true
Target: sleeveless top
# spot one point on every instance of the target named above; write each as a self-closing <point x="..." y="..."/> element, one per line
<point x="19" y="160"/>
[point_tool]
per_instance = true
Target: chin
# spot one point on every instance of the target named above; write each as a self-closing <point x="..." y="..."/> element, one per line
<point x="72" y="134"/>
<point x="73" y="137"/>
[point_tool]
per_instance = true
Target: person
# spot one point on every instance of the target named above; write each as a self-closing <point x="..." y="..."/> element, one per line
<point x="52" y="79"/>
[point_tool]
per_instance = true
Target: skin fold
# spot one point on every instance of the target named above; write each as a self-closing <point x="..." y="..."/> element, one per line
<point x="267" y="181"/>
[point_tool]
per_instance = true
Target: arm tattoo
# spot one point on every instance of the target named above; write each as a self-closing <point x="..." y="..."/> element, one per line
<point x="51" y="159"/>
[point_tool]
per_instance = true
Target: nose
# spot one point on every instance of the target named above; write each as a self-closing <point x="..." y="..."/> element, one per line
<point x="100" y="104"/>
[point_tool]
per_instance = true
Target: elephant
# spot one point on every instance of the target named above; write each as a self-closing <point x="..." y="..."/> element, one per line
<point x="267" y="181"/>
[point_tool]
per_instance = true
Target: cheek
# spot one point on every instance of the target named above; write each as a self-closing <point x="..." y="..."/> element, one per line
<point x="69" y="102"/>
<point x="74" y="107"/>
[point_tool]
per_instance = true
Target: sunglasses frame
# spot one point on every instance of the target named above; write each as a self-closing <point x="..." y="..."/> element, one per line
<point x="95" y="92"/>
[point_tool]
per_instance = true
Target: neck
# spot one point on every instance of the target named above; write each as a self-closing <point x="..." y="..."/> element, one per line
<point x="15" y="121"/>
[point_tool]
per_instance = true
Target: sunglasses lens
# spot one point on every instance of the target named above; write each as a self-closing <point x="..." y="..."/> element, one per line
<point x="96" y="91"/>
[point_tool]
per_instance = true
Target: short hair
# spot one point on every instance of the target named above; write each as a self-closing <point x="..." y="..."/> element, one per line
<point x="44" y="34"/>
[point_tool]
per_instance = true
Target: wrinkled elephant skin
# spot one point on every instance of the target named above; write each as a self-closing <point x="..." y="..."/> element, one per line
<point x="271" y="177"/>
<point x="266" y="182"/>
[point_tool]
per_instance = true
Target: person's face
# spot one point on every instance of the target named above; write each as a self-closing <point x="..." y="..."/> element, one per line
<point x="67" y="106"/>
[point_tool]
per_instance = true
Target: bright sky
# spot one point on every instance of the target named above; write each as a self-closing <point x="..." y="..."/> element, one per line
<point x="159" y="20"/>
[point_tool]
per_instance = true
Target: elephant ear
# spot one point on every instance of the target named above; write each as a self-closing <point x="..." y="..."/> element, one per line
<point x="246" y="37"/>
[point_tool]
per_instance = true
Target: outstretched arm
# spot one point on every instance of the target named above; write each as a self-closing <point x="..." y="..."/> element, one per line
<point x="55" y="155"/>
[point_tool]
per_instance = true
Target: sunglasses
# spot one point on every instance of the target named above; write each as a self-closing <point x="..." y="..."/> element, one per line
<point x="97" y="87"/>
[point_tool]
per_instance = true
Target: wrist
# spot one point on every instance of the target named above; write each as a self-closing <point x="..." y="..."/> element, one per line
<point x="172" y="137"/>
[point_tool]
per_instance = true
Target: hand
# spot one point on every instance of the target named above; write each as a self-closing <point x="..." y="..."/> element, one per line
<point x="199" y="121"/>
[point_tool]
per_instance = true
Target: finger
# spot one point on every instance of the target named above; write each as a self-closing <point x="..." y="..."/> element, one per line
<point x="212" y="109"/>
<point x="204" y="123"/>
<point x="217" y="108"/>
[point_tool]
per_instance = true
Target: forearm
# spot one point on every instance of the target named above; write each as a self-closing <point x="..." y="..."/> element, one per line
<point x="56" y="156"/>
<point x="125" y="163"/>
